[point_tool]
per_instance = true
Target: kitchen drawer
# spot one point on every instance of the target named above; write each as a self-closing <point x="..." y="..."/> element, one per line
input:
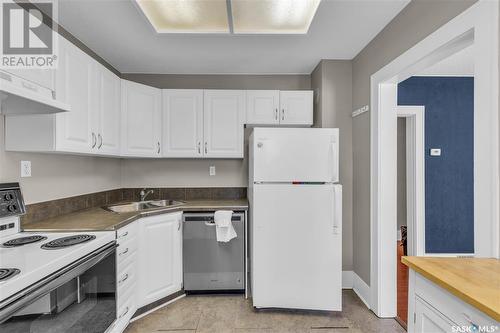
<point x="126" y="309"/>
<point x="127" y="275"/>
<point x="449" y="305"/>
<point x="125" y="250"/>
<point x="127" y="232"/>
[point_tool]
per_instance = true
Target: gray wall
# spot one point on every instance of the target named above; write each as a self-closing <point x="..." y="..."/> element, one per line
<point x="194" y="172"/>
<point x="401" y="169"/>
<point x="416" y="21"/>
<point x="332" y="83"/>
<point x="58" y="176"/>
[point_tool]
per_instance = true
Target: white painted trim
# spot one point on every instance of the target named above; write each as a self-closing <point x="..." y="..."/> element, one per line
<point x="157" y="308"/>
<point x="347" y="277"/>
<point x="361" y="289"/>
<point x="415" y="176"/>
<point x="359" y="111"/>
<point x="480" y="21"/>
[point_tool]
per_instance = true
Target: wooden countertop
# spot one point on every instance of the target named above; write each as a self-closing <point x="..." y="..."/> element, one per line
<point x="100" y="219"/>
<point x="476" y="281"/>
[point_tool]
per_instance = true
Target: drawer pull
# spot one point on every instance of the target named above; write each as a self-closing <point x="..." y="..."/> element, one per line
<point x="29" y="86"/>
<point x="124" y="234"/>
<point x="124" y="252"/>
<point x="124" y="313"/>
<point x="471" y="323"/>
<point x="123" y="279"/>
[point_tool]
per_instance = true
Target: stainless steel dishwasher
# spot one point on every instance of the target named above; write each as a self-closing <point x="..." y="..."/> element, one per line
<point x="210" y="265"/>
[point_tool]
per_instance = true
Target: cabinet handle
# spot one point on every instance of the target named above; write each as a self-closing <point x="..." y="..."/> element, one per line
<point x="94" y="141"/>
<point x="471" y="323"/>
<point x="199" y="147"/>
<point x="124" y="234"/>
<point x="276" y="113"/>
<point x="124" y="279"/>
<point x="29" y="86"/>
<point x="283" y="114"/>
<point x="206" y="149"/>
<point x="99" y="136"/>
<point x="124" y="252"/>
<point x="159" y="147"/>
<point x="178" y="225"/>
<point x="123" y="314"/>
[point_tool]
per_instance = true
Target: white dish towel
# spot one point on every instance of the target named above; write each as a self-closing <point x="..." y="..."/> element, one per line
<point x="223" y="226"/>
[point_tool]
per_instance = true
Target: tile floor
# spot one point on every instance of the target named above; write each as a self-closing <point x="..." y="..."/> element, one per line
<point x="235" y="314"/>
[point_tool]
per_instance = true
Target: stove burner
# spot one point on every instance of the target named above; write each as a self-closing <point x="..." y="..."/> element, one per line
<point x="23" y="241"/>
<point x="7" y="273"/>
<point x="67" y="241"/>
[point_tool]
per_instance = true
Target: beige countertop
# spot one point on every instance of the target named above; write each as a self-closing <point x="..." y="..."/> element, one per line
<point x="474" y="280"/>
<point x="100" y="219"/>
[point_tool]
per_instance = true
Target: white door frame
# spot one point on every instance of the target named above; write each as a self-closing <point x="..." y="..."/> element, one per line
<point x="415" y="177"/>
<point x="477" y="25"/>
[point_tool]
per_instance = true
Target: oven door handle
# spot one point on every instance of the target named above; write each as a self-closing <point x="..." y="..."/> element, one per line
<point x="11" y="305"/>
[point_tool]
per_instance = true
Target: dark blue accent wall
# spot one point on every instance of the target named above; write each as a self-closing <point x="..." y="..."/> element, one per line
<point x="449" y="178"/>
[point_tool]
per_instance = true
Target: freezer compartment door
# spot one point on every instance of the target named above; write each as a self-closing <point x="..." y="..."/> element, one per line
<point x="297" y="246"/>
<point x="295" y="154"/>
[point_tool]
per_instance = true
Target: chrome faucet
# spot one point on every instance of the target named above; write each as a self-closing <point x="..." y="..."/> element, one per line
<point x="145" y="193"/>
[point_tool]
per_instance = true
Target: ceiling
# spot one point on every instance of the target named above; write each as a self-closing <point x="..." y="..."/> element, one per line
<point x="119" y="33"/>
<point x="458" y="64"/>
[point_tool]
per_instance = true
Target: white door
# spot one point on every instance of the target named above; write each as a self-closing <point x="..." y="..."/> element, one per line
<point x="295" y="154"/>
<point x="108" y="132"/>
<point x="297" y="246"/>
<point x="160" y="257"/>
<point x="141" y="120"/>
<point x="182" y="123"/>
<point x="224" y="111"/>
<point x="429" y="320"/>
<point x="74" y="84"/>
<point x="262" y="107"/>
<point x="296" y="107"/>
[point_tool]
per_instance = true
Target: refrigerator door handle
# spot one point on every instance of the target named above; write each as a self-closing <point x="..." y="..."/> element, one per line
<point x="337" y="208"/>
<point x="334" y="164"/>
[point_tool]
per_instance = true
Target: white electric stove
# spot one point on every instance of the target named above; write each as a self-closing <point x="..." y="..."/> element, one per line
<point x="47" y="276"/>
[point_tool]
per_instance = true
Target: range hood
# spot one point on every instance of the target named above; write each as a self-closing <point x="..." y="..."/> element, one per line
<point x="19" y="98"/>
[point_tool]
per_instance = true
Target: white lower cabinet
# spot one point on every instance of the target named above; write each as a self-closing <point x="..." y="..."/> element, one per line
<point x="126" y="275"/>
<point x="432" y="309"/>
<point x="160" y="257"/>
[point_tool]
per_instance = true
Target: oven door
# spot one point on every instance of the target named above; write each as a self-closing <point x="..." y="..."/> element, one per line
<point x="79" y="298"/>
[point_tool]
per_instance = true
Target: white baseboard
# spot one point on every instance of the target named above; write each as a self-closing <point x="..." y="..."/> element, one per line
<point x="347" y="279"/>
<point x="361" y="289"/>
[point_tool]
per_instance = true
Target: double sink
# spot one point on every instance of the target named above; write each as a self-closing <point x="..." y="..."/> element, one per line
<point x="139" y="206"/>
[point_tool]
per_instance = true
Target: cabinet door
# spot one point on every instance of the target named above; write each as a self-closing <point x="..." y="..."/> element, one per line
<point x="296" y="107"/>
<point x="262" y="107"/>
<point x="182" y="123"/>
<point x="160" y="257"/>
<point x="223" y="112"/>
<point x="429" y="320"/>
<point x="74" y="80"/>
<point x="141" y="125"/>
<point x="108" y="131"/>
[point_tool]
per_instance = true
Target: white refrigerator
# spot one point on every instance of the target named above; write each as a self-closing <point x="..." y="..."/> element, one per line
<point x="295" y="218"/>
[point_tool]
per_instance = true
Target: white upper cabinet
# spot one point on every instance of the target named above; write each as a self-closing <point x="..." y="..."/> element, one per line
<point x="74" y="82"/>
<point x="141" y="120"/>
<point x="107" y="121"/>
<point x="182" y="118"/>
<point x="296" y="107"/>
<point x="224" y="112"/>
<point x="262" y="107"/>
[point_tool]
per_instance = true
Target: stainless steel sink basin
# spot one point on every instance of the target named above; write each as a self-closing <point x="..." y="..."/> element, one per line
<point x="139" y="206"/>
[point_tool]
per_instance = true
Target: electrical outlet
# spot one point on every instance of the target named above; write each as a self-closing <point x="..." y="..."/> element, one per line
<point x="25" y="168"/>
<point x="211" y="170"/>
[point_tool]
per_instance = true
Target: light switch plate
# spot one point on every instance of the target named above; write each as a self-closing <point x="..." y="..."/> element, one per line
<point x="435" y="151"/>
<point x="211" y="170"/>
<point x="25" y="168"/>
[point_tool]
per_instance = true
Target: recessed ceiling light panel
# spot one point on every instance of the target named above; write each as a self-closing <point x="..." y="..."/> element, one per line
<point x="273" y="16"/>
<point x="186" y="16"/>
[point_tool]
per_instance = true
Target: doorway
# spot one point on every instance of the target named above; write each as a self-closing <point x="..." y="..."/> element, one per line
<point x="477" y="26"/>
